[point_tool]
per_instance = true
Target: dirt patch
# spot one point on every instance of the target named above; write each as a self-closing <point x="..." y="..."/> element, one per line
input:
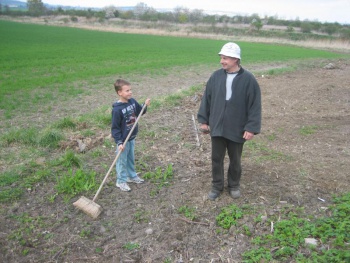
<point x="299" y="167"/>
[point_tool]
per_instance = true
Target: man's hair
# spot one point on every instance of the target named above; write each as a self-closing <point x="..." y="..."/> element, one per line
<point x="119" y="83"/>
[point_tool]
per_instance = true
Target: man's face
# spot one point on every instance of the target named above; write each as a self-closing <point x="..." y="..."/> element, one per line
<point x="229" y="64"/>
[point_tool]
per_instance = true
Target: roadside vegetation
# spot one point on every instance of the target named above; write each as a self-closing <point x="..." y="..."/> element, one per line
<point x="199" y="21"/>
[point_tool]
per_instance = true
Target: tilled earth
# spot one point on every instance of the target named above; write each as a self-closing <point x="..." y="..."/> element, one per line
<point x="300" y="159"/>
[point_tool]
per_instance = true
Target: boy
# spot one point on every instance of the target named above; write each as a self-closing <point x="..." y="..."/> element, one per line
<point x="124" y="115"/>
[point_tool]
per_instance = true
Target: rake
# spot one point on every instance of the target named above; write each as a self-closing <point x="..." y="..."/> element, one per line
<point x="89" y="206"/>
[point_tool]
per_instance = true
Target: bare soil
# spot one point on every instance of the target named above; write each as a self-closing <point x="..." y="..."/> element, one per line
<point x="285" y="167"/>
<point x="309" y="167"/>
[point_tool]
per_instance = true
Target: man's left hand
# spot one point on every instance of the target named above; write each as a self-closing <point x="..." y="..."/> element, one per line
<point x="248" y="135"/>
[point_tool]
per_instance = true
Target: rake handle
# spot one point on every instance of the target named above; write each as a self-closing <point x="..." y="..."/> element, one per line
<point x="119" y="152"/>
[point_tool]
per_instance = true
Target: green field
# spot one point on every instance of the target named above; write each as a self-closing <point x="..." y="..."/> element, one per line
<point x="57" y="58"/>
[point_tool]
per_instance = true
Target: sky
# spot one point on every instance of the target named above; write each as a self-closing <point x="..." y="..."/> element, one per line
<point x="313" y="10"/>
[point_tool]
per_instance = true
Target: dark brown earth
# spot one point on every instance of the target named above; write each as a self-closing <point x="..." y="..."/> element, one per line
<point x="281" y="167"/>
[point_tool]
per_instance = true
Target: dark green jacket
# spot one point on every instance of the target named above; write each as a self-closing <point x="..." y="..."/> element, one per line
<point x="242" y="112"/>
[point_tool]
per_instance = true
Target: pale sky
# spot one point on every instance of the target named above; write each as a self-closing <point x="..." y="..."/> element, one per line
<point x="313" y="10"/>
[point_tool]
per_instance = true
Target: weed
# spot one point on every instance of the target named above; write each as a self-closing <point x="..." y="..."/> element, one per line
<point x="50" y="138"/>
<point x="25" y="136"/>
<point x="85" y="233"/>
<point x="131" y="246"/>
<point x="141" y="216"/>
<point x="228" y="216"/>
<point x="289" y="234"/>
<point x="75" y="183"/>
<point x="8" y="178"/>
<point x="12" y="194"/>
<point x="308" y="130"/>
<point x="264" y="153"/>
<point x="107" y="143"/>
<point x="87" y="133"/>
<point x="98" y="250"/>
<point x="189" y="212"/>
<point x="69" y="159"/>
<point x="65" y="123"/>
<point x="27" y="234"/>
<point x="159" y="178"/>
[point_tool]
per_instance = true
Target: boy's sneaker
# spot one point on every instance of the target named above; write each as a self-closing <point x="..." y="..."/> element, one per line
<point x="136" y="180"/>
<point x="124" y="187"/>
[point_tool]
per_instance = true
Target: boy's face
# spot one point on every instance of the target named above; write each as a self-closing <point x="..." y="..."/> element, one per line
<point x="125" y="93"/>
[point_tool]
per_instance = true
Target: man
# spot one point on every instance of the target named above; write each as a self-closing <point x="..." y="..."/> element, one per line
<point x="231" y="107"/>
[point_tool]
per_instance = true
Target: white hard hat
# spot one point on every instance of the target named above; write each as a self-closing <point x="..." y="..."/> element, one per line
<point x="231" y="50"/>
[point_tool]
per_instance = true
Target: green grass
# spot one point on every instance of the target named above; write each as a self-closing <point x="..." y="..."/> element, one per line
<point x="57" y="62"/>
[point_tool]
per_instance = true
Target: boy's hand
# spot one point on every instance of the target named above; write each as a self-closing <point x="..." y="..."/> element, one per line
<point x="148" y="102"/>
<point x="120" y="148"/>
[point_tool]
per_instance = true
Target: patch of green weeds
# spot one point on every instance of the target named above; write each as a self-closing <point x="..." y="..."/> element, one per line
<point x="288" y="237"/>
<point x="176" y="98"/>
<point x="35" y="177"/>
<point x="27" y="233"/>
<point x="96" y="153"/>
<point x="69" y="159"/>
<point x="271" y="137"/>
<point x="8" y="178"/>
<point x="279" y="71"/>
<point x="141" y="215"/>
<point x="12" y="194"/>
<point x="98" y="250"/>
<point x="50" y="138"/>
<point x="101" y="117"/>
<point x="73" y="183"/>
<point x="308" y="130"/>
<point x="160" y="178"/>
<point x="65" y="123"/>
<point x="131" y="246"/>
<point x="27" y="136"/>
<point x="187" y="211"/>
<point x="87" y="133"/>
<point x="108" y="143"/>
<point x="247" y="231"/>
<point x="85" y="233"/>
<point x="262" y="153"/>
<point x="228" y="216"/>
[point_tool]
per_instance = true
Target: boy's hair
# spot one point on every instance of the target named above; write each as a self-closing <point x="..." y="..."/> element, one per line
<point x="119" y="83"/>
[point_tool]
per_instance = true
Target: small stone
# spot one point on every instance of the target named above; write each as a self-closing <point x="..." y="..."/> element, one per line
<point x="311" y="241"/>
<point x="149" y="231"/>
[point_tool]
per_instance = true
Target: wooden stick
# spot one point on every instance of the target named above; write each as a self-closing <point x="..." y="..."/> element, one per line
<point x="193" y="222"/>
<point x="196" y="131"/>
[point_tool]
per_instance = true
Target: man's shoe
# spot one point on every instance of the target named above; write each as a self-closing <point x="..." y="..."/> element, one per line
<point x="235" y="194"/>
<point x="213" y="195"/>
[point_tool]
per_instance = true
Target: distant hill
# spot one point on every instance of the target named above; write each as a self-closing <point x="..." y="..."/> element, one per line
<point x="14" y="4"/>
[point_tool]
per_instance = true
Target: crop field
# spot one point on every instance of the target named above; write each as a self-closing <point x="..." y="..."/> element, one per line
<point x="56" y="90"/>
<point x="57" y="58"/>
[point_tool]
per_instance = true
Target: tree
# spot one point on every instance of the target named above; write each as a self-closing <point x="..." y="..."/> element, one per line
<point x="35" y="7"/>
<point x="110" y="10"/>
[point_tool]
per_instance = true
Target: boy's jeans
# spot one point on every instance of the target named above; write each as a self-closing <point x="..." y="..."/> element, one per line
<point x="125" y="165"/>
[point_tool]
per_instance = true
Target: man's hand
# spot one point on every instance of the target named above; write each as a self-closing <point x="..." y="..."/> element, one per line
<point x="248" y="135"/>
<point x="204" y="128"/>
